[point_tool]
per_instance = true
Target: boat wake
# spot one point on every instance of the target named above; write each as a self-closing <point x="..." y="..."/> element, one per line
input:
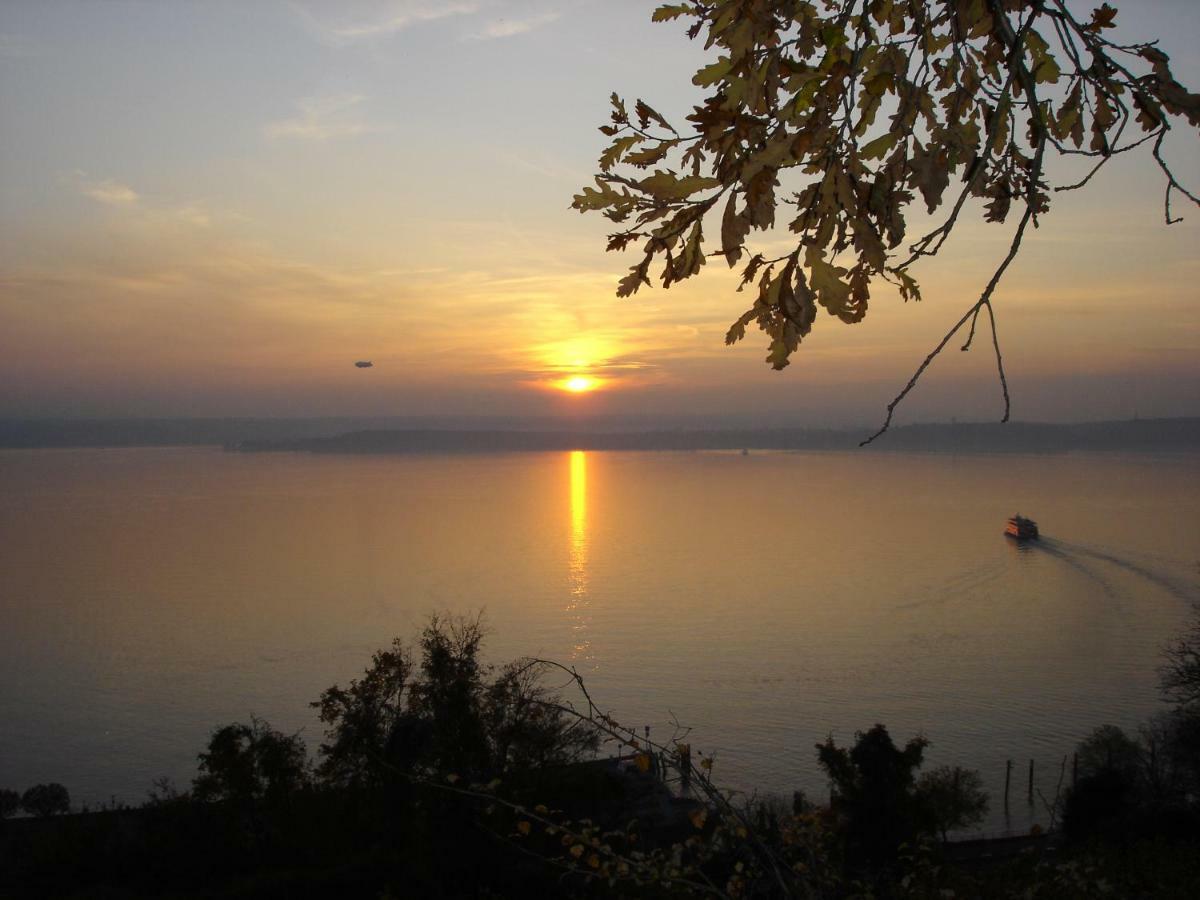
<point x="1060" y="552"/>
<point x="1076" y="556"/>
<point x="957" y="587"/>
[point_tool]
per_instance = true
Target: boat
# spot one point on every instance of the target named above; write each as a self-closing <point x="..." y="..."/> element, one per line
<point x="1021" y="528"/>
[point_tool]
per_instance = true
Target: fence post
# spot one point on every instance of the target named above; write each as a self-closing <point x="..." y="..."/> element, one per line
<point x="1031" y="782"/>
<point x="1007" y="778"/>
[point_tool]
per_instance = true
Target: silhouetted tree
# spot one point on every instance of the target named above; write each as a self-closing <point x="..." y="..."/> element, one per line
<point x="1170" y="745"/>
<point x="873" y="793"/>
<point x="524" y="727"/>
<point x="447" y="698"/>
<point x="449" y="714"/>
<point x="1109" y="749"/>
<point x="1179" y="678"/>
<point x="952" y="797"/>
<point x="1173" y="739"/>
<point x="250" y="763"/>
<point x="163" y="792"/>
<point x="46" y="800"/>
<point x="10" y="803"/>
<point x="363" y="717"/>
<point x="1103" y="804"/>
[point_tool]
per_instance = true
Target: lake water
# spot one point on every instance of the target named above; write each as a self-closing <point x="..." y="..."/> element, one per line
<point x="767" y="600"/>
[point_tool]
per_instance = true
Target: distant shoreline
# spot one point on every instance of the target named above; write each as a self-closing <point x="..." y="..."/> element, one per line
<point x="1179" y="435"/>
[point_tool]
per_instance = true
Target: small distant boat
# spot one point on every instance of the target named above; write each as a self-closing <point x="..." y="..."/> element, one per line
<point x="1021" y="528"/>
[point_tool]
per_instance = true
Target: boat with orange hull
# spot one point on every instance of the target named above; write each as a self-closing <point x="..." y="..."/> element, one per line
<point x="1021" y="529"/>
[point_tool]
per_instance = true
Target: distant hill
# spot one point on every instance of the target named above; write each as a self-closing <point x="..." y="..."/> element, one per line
<point x="29" y="433"/>
<point x="348" y="435"/>
<point x="1152" y="435"/>
<point x="1155" y="435"/>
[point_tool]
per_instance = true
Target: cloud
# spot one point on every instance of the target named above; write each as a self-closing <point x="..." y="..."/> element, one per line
<point x="136" y="210"/>
<point x="502" y="28"/>
<point x="388" y="19"/>
<point x="323" y="118"/>
<point x="109" y="192"/>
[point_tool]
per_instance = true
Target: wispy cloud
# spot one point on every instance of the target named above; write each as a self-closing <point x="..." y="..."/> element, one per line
<point x="322" y="118"/>
<point x="109" y="191"/>
<point x="135" y="208"/>
<point x="387" y="19"/>
<point x="502" y="28"/>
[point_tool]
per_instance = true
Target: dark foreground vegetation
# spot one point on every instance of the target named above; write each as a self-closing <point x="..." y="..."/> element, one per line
<point x="442" y="777"/>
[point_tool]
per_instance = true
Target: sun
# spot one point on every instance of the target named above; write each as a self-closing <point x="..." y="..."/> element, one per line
<point x="579" y="384"/>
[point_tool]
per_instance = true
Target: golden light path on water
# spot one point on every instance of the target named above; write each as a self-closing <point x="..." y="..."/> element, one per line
<point x="577" y="606"/>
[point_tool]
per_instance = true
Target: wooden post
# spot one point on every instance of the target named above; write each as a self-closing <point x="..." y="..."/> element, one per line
<point x="1074" y="769"/>
<point x="1031" y="782"/>
<point x="1007" y="778"/>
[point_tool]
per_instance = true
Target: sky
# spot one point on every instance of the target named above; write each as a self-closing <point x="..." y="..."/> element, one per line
<point x="215" y="209"/>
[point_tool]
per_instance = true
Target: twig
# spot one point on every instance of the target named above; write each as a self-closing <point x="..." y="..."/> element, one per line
<point x="984" y="300"/>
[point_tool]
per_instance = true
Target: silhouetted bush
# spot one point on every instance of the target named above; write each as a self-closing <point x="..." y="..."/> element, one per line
<point x="1179" y="677"/>
<point x="10" y="803"/>
<point x="952" y="797"/>
<point x="250" y="763"/>
<point x="872" y="794"/>
<point x="1103" y="805"/>
<point x="1109" y="749"/>
<point x="46" y="800"/>
<point x="446" y="713"/>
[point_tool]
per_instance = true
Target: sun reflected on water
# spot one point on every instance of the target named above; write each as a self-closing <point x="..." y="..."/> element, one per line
<point x="577" y="606"/>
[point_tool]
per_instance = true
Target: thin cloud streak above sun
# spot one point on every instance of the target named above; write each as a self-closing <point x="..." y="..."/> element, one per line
<point x="324" y="117"/>
<point x="503" y="28"/>
<point x="378" y="20"/>
<point x="108" y="191"/>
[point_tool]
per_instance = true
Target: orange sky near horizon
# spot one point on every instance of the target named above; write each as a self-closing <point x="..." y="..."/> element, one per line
<point x="223" y="226"/>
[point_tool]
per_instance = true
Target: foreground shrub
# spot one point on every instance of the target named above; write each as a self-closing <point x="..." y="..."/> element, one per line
<point x="10" y="803"/>
<point x="46" y="800"/>
<point x="251" y="763"/>
<point x="445" y="712"/>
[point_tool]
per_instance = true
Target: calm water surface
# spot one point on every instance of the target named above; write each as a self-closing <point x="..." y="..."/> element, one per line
<point x="765" y="600"/>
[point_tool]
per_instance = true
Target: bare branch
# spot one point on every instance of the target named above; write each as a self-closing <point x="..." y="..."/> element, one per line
<point x="984" y="300"/>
